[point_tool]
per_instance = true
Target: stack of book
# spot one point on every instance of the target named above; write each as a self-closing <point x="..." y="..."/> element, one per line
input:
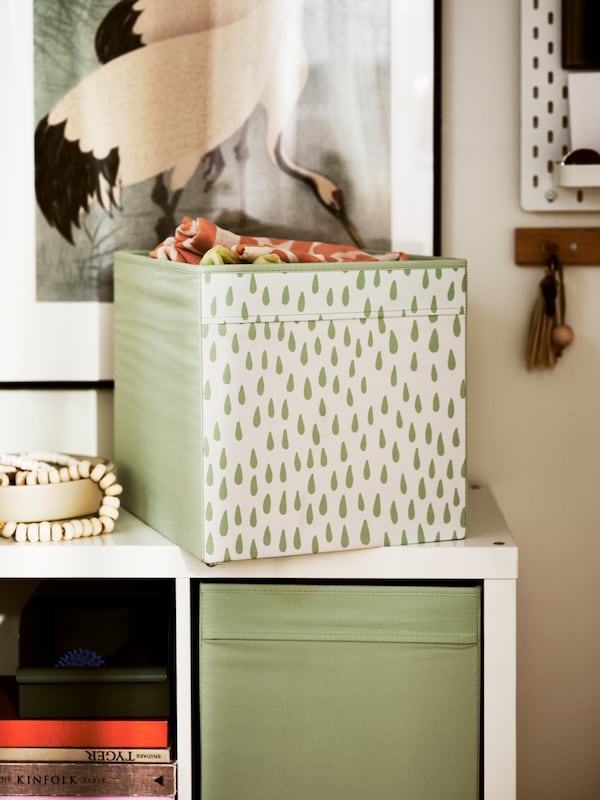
<point x="82" y="757"/>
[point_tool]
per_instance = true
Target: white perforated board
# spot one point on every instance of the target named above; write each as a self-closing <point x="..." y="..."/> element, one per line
<point x="545" y="113"/>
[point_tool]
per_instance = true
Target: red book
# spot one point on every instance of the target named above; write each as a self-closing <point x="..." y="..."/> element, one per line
<point x="103" y="733"/>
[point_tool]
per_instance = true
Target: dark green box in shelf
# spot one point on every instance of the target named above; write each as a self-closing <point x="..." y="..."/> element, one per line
<point x="339" y="692"/>
<point x="96" y="649"/>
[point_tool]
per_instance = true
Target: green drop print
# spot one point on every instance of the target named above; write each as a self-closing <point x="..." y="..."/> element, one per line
<point x="256" y="417"/>
<point x="227" y="374"/>
<point x="267" y="503"/>
<point x="252" y="331"/>
<point x="343" y="452"/>
<point x="208" y="512"/>
<point x="377" y="505"/>
<point x="431" y="471"/>
<point x="394" y="376"/>
<point x="363" y="442"/>
<point x="456" y="438"/>
<point x="417" y="459"/>
<point x="425" y="279"/>
<point x="420" y="535"/>
<point x="451" y="361"/>
<point x="367" y="308"/>
<point x="414" y="363"/>
<point x="456" y="326"/>
<point x="434" y="342"/>
<point x="253" y="486"/>
<point x="382" y="439"/>
<point x="282" y="542"/>
<point x="393" y="343"/>
<point x="361" y="502"/>
<point x="334" y="481"/>
<point x="237" y="517"/>
<point x="205" y="447"/>
<point x="323" y="457"/>
<point x="450" y="471"/>
<point x="411" y="510"/>
<point x="310" y="460"/>
<point x="224" y="525"/>
<point x="323" y="505"/>
<point x="209" y="478"/>
<point x="304" y="355"/>
<point x="223" y="459"/>
<point x="253" y="550"/>
<point x="253" y="518"/>
<point x="226" y="555"/>
<point x="349" y="398"/>
<point x="343" y="508"/>
<point x="412" y="434"/>
<point x="213" y="307"/>
<point x="367" y="471"/>
<point x="440" y="445"/>
<point x="414" y="306"/>
<point x="282" y="473"/>
<point x="297" y="501"/>
<point x="307" y="389"/>
<point x="270" y="441"/>
<point x="434" y="373"/>
<point x="328" y="533"/>
<point x="265" y="296"/>
<point x="264" y="361"/>
<point x="335" y="425"/>
<point x="334" y="357"/>
<point x="310" y="515"/>
<point x="212" y="353"/>
<point x="384" y="404"/>
<point x="207" y="390"/>
<point x="238" y="476"/>
<point x="347" y="337"/>
<point x="322" y="377"/>
<point x="249" y="362"/>
<point x="241" y="396"/>
<point x="330" y="298"/>
<point x="297" y="539"/>
<point x="428" y="433"/>
<point x="399" y="420"/>
<point x="352" y="368"/>
<point x="447" y="514"/>
<point x="436" y="402"/>
<point x="379" y="361"/>
<point x="209" y="548"/>
<point x="311" y="485"/>
<point x="404" y="539"/>
<point x="322" y="408"/>
<point x="365" y="534"/>
<point x="451" y="292"/>
<point x="363" y="385"/>
<point x="283" y="503"/>
<point x="290" y="383"/>
<point x="456" y="498"/>
<point x="422" y="489"/>
<point x="271" y="408"/>
<point x="227" y="405"/>
<point x="360" y="280"/>
<point x="292" y="342"/>
<point x="253" y="459"/>
<point x="316" y="436"/>
<point x="370" y="415"/>
<point x="315" y="545"/>
<point x="235" y="344"/>
<point x="463" y="518"/>
<point x="222" y="328"/>
<point x="395" y="453"/>
<point x="386" y="540"/>
<point x="345" y="295"/>
<point x="393" y="290"/>
<point x="450" y="408"/>
<point x="463" y="389"/>
<point x="331" y="330"/>
<point x="440" y="489"/>
<point x="244" y="311"/>
<point x="355" y="424"/>
<point x="414" y="331"/>
<point x="345" y="540"/>
<point x="285" y="295"/>
<point x="433" y="308"/>
<point x="297" y="463"/>
<point x="405" y="393"/>
<point x="369" y="342"/>
<point x="349" y="477"/>
<point x="381" y="326"/>
<point x="281" y="332"/>
<point x="463" y="469"/>
<point x="253" y="284"/>
<point x="260" y="386"/>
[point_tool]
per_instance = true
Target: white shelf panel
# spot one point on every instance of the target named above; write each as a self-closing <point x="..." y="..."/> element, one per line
<point x="136" y="550"/>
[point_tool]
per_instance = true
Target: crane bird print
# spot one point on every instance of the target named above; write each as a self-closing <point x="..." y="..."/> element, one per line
<point x="191" y="107"/>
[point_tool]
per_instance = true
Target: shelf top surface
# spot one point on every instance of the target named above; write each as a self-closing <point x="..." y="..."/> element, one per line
<point x="135" y="550"/>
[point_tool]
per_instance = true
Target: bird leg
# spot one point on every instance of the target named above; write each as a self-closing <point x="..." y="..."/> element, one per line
<point x="166" y="224"/>
<point x="213" y="165"/>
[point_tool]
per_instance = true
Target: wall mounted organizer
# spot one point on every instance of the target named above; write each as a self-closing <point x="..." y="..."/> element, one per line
<point x="546" y="185"/>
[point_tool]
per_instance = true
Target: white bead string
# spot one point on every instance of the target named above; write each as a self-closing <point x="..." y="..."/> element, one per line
<point x="31" y="469"/>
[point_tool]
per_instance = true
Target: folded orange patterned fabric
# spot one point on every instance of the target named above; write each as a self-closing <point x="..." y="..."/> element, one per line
<point x="194" y="237"/>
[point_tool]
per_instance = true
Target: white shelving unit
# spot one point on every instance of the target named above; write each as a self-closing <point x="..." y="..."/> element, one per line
<point x="488" y="554"/>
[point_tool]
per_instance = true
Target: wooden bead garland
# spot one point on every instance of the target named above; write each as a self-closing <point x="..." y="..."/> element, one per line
<point x="31" y="469"/>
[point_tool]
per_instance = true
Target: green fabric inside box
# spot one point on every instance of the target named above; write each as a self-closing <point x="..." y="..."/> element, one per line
<point x="348" y="692"/>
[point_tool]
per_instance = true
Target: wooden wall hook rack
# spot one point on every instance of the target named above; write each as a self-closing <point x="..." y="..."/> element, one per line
<point x="571" y="246"/>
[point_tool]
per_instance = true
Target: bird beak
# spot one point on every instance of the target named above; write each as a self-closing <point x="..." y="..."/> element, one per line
<point x="351" y="230"/>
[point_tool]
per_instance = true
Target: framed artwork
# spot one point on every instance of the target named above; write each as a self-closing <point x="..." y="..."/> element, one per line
<point x="307" y="119"/>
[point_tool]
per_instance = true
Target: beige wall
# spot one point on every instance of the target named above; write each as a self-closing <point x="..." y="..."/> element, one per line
<point x="534" y="438"/>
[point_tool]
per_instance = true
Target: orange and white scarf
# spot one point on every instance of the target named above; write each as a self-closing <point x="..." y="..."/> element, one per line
<point x="194" y="237"/>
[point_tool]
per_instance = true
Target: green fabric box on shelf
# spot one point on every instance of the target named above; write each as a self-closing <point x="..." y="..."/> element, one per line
<point x="282" y="409"/>
<point x="339" y="691"/>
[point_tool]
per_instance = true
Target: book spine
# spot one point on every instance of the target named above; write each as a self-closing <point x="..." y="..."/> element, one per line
<point x="105" y="734"/>
<point x="76" y="779"/>
<point x="149" y="755"/>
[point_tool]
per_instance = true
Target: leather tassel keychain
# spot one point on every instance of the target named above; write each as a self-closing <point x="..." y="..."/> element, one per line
<point x="548" y="332"/>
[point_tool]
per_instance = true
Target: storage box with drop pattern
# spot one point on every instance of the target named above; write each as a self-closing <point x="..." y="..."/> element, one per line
<point x="283" y="409"/>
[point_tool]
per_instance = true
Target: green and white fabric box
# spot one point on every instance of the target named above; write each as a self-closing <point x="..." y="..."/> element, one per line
<point x="282" y="409"/>
<point x="339" y="691"/>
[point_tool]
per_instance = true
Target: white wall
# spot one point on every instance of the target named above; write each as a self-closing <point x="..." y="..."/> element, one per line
<point x="534" y="438"/>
